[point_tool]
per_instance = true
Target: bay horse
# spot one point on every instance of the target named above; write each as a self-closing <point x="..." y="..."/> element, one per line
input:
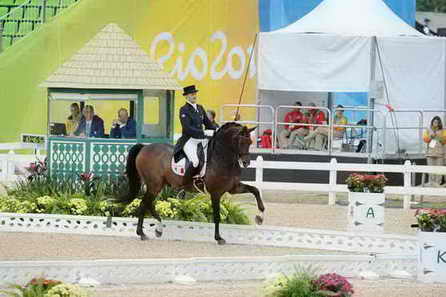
<point x="227" y="151"/>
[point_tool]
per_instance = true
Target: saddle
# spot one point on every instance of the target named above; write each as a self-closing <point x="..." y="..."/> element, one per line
<point x="180" y="162"/>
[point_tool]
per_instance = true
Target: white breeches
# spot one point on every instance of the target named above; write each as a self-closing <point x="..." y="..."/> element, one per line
<point x="190" y="149"/>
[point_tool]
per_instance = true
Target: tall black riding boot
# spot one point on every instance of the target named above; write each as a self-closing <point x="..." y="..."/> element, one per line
<point x="189" y="174"/>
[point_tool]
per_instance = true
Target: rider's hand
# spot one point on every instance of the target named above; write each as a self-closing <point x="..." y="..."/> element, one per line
<point x="209" y="133"/>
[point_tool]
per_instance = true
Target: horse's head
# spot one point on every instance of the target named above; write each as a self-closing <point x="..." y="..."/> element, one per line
<point x="240" y="141"/>
<point x="236" y="139"/>
<point x="244" y="142"/>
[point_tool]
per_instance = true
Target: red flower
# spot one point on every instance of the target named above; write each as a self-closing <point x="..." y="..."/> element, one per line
<point x="42" y="282"/>
<point x="334" y="283"/>
<point x="86" y="176"/>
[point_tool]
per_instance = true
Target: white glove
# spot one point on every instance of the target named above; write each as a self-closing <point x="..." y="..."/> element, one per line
<point x="209" y="133"/>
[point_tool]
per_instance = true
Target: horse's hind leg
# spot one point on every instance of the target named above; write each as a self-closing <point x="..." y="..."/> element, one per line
<point x="143" y="207"/>
<point x="244" y="188"/>
<point x="151" y="204"/>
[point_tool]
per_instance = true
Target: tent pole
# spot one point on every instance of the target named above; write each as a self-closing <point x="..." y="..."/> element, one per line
<point x="371" y="101"/>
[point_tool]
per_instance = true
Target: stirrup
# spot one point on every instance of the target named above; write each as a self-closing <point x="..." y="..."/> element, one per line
<point x="197" y="182"/>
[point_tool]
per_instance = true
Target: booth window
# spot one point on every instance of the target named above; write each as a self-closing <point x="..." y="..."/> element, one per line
<point x="155" y="115"/>
<point x="62" y="123"/>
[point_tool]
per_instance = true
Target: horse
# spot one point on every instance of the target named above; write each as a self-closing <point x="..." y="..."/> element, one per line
<point x="227" y="151"/>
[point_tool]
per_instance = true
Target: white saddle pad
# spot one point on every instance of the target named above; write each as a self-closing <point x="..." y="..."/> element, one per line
<point x="179" y="168"/>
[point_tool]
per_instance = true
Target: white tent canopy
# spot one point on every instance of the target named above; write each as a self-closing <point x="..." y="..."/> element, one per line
<point x="352" y="17"/>
<point x="333" y="49"/>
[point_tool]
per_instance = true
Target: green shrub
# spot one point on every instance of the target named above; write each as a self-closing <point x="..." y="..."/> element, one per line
<point x="66" y="290"/>
<point x="91" y="195"/>
<point x="299" y="284"/>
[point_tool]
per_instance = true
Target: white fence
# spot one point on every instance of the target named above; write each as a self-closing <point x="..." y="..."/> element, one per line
<point x="407" y="190"/>
<point x="12" y="165"/>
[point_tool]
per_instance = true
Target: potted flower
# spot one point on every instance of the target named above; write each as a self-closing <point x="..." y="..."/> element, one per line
<point x="305" y="283"/>
<point x="42" y="287"/>
<point x="366" y="202"/>
<point x="432" y="245"/>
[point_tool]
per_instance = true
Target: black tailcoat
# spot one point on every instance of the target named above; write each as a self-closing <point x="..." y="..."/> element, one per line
<point x="192" y="122"/>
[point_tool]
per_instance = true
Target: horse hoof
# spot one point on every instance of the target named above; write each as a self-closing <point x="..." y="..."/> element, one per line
<point x="158" y="233"/>
<point x="221" y="241"/>
<point x="259" y="220"/>
<point x="143" y="237"/>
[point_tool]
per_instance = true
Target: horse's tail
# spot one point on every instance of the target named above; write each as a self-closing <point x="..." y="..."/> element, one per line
<point x="132" y="175"/>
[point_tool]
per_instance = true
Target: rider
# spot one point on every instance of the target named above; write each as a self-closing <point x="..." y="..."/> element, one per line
<point x="193" y="117"/>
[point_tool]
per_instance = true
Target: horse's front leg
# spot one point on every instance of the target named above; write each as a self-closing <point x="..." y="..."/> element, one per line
<point x="215" y="199"/>
<point x="242" y="188"/>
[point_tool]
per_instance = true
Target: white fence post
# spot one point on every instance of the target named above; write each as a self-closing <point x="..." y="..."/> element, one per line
<point x="4" y="169"/>
<point x="407" y="184"/>
<point x="259" y="171"/>
<point x="10" y="165"/>
<point x="332" y="182"/>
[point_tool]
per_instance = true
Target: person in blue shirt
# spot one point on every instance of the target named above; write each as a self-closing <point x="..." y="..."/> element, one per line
<point x="123" y="127"/>
<point x="90" y="125"/>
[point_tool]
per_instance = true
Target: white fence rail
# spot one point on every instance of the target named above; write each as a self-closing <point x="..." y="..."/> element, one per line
<point x="334" y="167"/>
<point x="12" y="166"/>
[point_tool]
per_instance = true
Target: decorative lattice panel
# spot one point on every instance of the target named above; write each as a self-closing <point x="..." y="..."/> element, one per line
<point x="235" y="234"/>
<point x="67" y="158"/>
<point x="202" y="269"/>
<point x="108" y="159"/>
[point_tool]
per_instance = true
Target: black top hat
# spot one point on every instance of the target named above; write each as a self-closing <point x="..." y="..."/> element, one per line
<point x="189" y="90"/>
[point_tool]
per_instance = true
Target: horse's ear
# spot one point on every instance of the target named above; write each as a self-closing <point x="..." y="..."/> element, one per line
<point x="252" y="129"/>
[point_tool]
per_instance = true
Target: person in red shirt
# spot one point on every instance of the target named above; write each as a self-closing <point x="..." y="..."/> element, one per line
<point x="292" y="133"/>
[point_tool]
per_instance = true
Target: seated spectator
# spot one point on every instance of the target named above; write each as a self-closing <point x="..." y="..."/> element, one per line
<point x="321" y="133"/>
<point x="123" y="127"/>
<point x="316" y="133"/>
<point x="290" y="135"/>
<point x="211" y="115"/>
<point x="90" y="125"/>
<point x="435" y="138"/>
<point x="265" y="141"/>
<point x="74" y="119"/>
<point x="339" y="119"/>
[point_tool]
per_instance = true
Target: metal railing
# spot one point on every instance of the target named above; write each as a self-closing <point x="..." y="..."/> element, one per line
<point x="309" y="125"/>
<point x="371" y="137"/>
<point x="375" y="136"/>
<point x="258" y="109"/>
<point x="396" y="127"/>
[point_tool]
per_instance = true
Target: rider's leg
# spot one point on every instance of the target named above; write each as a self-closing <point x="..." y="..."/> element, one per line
<point x="190" y="149"/>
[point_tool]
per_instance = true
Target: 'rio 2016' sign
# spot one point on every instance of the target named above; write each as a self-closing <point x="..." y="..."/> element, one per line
<point x="185" y="67"/>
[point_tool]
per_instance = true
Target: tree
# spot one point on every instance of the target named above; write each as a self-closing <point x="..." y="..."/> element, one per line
<point x="431" y="5"/>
